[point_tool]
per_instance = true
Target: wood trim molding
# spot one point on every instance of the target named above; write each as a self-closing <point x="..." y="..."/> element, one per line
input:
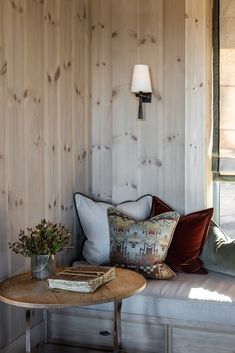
<point x="37" y="336"/>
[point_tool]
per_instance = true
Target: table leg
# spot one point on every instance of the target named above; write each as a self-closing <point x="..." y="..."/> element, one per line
<point x="117" y="331"/>
<point x="27" y="331"/>
<point x="45" y="325"/>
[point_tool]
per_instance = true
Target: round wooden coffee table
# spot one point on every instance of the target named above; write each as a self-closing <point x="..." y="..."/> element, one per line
<point x="23" y="291"/>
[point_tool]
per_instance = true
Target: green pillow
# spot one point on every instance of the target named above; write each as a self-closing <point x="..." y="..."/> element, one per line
<point x="219" y="251"/>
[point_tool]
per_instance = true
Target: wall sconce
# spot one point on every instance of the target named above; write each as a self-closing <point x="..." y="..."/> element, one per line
<point x="141" y="86"/>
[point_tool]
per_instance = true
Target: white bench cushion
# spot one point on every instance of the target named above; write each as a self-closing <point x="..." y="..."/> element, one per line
<point x="203" y="298"/>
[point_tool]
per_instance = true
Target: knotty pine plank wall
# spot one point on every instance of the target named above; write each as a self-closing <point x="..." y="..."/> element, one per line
<point x="44" y="115"/>
<point x="44" y="86"/>
<point x="69" y="122"/>
<point x="165" y="154"/>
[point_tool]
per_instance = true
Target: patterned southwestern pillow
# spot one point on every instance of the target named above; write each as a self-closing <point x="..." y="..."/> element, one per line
<point x="142" y="245"/>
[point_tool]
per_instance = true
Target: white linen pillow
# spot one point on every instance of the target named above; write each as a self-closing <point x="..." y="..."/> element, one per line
<point x="93" y="219"/>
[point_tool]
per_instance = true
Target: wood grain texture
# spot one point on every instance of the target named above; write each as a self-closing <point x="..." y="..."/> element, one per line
<point x="33" y="111"/>
<point x="3" y="151"/>
<point x="208" y="97"/>
<point x="15" y="125"/>
<point x="38" y="122"/>
<point x="18" y="345"/>
<point x="149" y="334"/>
<point x="197" y="69"/>
<point x="81" y="75"/>
<point x="173" y="107"/>
<point x="124" y="108"/>
<point x="49" y="121"/>
<point x="53" y="348"/>
<point x="66" y="124"/>
<point x="101" y="71"/>
<point x="23" y="291"/>
<point x="52" y="141"/>
<point x="150" y="46"/>
<point x="227" y="8"/>
<point x="139" y="333"/>
<point x="201" y="341"/>
<point x="170" y="147"/>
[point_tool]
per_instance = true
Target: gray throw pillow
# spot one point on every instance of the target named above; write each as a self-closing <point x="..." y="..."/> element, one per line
<point x="93" y="218"/>
<point x="219" y="251"/>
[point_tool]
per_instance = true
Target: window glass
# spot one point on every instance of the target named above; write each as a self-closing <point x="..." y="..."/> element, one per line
<point x="224" y="114"/>
<point x="227" y="207"/>
<point x="227" y="87"/>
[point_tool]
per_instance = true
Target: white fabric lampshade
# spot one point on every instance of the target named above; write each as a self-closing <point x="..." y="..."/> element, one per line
<point x="141" y="79"/>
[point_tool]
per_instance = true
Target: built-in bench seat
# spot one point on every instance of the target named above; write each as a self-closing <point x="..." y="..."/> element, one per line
<point x="193" y="314"/>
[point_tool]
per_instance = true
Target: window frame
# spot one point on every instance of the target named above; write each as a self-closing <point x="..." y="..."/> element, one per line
<point x="217" y="176"/>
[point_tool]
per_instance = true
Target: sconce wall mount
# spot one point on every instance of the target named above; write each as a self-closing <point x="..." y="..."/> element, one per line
<point x="141" y="86"/>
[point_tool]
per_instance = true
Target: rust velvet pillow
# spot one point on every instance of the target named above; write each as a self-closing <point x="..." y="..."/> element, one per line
<point x="189" y="236"/>
<point x="158" y="207"/>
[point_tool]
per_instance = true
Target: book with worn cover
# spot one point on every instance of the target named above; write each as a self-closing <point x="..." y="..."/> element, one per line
<point x="83" y="279"/>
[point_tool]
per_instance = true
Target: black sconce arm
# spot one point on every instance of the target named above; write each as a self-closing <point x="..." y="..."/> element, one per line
<point x="143" y="98"/>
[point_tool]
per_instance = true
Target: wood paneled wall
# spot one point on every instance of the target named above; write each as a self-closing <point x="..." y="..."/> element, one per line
<point x="44" y="87"/>
<point x="198" y="90"/>
<point x="166" y="153"/>
<point x="68" y="121"/>
<point x="44" y="114"/>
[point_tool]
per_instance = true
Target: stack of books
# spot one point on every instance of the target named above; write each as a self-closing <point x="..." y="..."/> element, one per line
<point x="85" y="279"/>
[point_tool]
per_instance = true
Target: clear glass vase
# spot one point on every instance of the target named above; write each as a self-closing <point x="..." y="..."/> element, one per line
<point x="43" y="266"/>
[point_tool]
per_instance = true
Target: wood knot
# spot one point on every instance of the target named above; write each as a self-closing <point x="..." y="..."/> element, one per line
<point x="17" y="99"/>
<point x="4" y="68"/>
<point x="25" y="95"/>
<point x="79" y="17"/>
<point x="57" y="74"/>
<point x="134" y="138"/>
<point x="67" y="65"/>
